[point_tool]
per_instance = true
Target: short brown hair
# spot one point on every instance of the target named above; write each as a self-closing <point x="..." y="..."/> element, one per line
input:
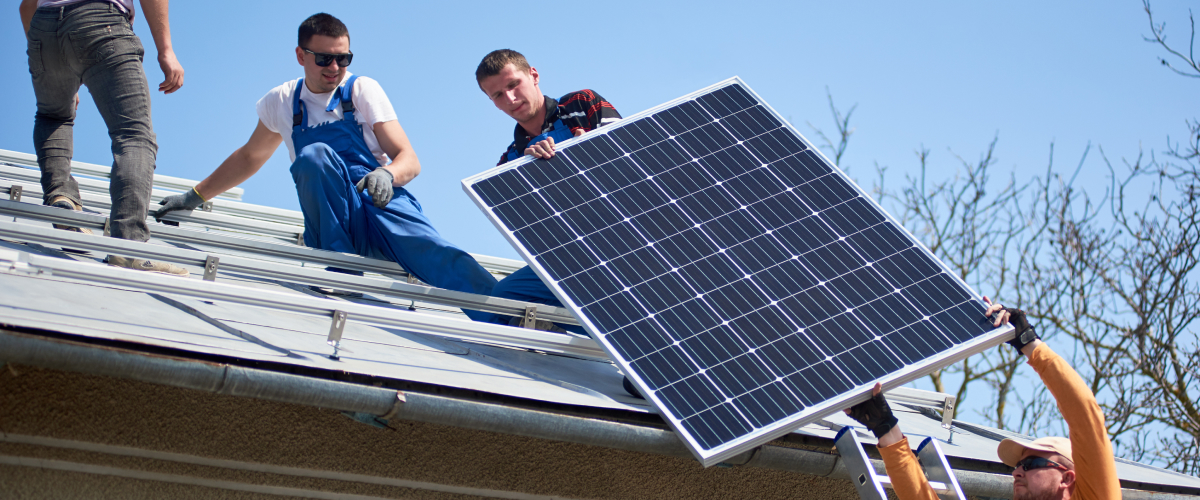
<point x="493" y="63"/>
<point x="321" y="24"/>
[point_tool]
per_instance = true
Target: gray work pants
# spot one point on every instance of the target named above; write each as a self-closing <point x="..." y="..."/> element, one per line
<point x="93" y="44"/>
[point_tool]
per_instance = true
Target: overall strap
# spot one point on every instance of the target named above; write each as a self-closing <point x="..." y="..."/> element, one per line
<point x="344" y="95"/>
<point x="299" y="111"/>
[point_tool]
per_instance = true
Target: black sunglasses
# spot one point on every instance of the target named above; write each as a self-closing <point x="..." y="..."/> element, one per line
<point x="324" y="60"/>
<point x="1031" y="463"/>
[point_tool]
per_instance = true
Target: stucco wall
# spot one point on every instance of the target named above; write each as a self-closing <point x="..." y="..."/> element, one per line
<point x="93" y="409"/>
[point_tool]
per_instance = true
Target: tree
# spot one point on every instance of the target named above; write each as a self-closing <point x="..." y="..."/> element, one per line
<point x="1115" y="273"/>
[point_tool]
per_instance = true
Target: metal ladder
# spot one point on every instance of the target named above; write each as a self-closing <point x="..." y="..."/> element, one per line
<point x="870" y="484"/>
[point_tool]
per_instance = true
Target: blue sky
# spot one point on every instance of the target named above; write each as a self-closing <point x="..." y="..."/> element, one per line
<point x="948" y="75"/>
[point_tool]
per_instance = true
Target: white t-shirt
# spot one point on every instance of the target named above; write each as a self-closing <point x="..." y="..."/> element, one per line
<point x="371" y="106"/>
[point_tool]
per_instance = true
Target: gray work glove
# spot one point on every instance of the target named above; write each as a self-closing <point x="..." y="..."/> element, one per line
<point x="186" y="201"/>
<point x="378" y="184"/>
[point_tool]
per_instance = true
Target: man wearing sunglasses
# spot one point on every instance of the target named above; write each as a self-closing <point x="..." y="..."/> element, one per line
<point x="351" y="160"/>
<point x="1043" y="469"/>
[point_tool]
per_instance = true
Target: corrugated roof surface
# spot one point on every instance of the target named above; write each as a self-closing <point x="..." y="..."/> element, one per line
<point x="125" y="312"/>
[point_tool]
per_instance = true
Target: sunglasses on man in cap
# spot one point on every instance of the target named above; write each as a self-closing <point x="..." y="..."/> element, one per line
<point x="1033" y="463"/>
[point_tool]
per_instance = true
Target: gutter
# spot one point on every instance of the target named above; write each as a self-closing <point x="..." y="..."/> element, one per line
<point x="231" y="380"/>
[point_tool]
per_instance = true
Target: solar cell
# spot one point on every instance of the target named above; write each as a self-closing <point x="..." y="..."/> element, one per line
<point x="744" y="283"/>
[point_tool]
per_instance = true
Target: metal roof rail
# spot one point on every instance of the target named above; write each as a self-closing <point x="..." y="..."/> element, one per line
<point x="32" y="177"/>
<point x="940" y="401"/>
<point x="215" y="263"/>
<point x="211" y="238"/>
<point x="92" y="201"/>
<point x="105" y="172"/>
<point x="463" y="329"/>
<point x="226" y="214"/>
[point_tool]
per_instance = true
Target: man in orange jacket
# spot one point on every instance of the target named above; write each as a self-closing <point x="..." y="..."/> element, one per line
<point x="1043" y="469"/>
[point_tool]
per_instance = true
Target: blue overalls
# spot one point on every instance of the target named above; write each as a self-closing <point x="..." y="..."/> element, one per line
<point x="524" y="284"/>
<point x="330" y="159"/>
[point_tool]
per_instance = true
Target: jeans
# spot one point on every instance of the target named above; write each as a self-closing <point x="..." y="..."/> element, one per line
<point x="93" y="44"/>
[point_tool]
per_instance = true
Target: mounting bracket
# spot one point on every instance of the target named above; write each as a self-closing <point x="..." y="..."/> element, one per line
<point x="529" y="320"/>
<point x="335" y="333"/>
<point x="211" y="264"/>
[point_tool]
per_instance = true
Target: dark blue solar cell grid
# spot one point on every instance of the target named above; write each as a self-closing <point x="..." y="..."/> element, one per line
<point x="740" y="276"/>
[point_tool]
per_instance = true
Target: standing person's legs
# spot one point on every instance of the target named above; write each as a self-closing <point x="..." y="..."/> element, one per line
<point x="111" y="56"/>
<point x="403" y="233"/>
<point x="55" y="71"/>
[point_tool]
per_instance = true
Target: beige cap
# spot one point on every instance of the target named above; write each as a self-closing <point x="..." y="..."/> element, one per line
<point x="1011" y="450"/>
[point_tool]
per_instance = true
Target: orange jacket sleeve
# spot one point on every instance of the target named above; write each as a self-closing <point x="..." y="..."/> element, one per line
<point x="1095" y="467"/>
<point x="908" y="479"/>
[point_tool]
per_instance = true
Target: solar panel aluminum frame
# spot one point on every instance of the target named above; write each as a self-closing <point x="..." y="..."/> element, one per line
<point x="808" y="415"/>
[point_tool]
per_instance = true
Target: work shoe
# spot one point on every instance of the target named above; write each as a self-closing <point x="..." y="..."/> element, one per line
<point x="66" y="203"/>
<point x="146" y="265"/>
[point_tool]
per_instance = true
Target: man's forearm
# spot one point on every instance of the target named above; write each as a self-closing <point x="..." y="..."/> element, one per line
<point x="27" y="8"/>
<point x="155" y="12"/>
<point x="404" y="170"/>
<point x="233" y="171"/>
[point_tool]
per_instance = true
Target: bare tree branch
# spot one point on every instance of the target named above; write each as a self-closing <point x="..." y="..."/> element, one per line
<point x="1161" y="38"/>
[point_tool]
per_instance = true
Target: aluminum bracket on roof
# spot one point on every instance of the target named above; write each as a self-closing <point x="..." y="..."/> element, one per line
<point x="14" y="192"/>
<point x="211" y="263"/>
<point x="441" y="326"/>
<point x="286" y="272"/>
<point x="937" y="400"/>
<point x="335" y="333"/>
<point x="529" y="320"/>
<point x="105" y="172"/>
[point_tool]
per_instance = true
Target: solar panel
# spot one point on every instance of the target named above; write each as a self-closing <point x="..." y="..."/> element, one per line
<point x="745" y="284"/>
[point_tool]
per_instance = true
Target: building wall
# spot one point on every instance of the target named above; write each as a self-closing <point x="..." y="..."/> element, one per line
<point x="116" y="412"/>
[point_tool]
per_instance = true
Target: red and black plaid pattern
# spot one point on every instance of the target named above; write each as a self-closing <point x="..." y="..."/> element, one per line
<point x="582" y="110"/>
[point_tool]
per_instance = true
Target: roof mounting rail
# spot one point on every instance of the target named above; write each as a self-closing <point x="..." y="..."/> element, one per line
<point x="105" y="172"/>
<point x="287" y="225"/>
<point x="226" y="241"/>
<point x="939" y="401"/>
<point x="200" y="217"/>
<point x="462" y="329"/>
<point x="95" y="195"/>
<point x="215" y="262"/>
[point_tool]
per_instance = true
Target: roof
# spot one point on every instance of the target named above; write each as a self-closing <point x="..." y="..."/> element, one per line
<point x="254" y="307"/>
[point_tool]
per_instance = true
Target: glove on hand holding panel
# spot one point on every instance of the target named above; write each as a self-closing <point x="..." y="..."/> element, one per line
<point x="1025" y="332"/>
<point x="875" y="414"/>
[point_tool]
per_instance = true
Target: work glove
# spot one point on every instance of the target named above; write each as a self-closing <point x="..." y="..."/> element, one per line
<point x="378" y="184"/>
<point x="186" y="201"/>
<point x="875" y="414"/>
<point x="1025" y="332"/>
